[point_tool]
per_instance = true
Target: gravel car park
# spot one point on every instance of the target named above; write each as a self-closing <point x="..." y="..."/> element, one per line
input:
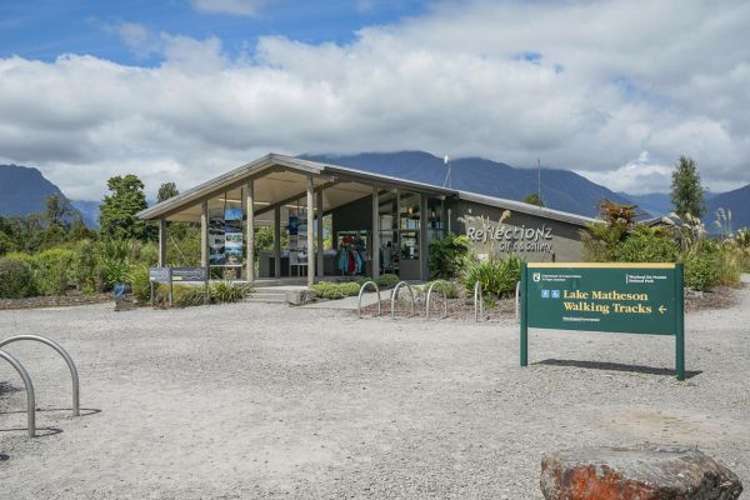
<point x="250" y="399"/>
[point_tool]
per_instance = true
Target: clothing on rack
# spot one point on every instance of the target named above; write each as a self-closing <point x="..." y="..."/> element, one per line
<point x="351" y="255"/>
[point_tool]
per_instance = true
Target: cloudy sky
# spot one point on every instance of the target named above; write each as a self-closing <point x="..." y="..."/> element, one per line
<point x="185" y="89"/>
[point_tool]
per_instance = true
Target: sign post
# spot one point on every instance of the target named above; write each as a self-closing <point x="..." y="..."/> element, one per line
<point x="604" y="297"/>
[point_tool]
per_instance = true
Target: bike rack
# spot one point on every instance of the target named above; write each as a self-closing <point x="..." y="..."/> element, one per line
<point x="57" y="347"/>
<point x="30" y="401"/>
<point x="361" y="291"/>
<point x="429" y="296"/>
<point x="394" y="295"/>
<point x="478" y="301"/>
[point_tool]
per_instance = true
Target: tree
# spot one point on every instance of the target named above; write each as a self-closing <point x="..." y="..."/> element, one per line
<point x="534" y="199"/>
<point x="166" y="191"/>
<point x="117" y="214"/>
<point x="687" y="191"/>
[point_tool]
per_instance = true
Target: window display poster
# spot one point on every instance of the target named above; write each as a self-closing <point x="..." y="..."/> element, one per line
<point x="233" y="239"/>
<point x="216" y="241"/>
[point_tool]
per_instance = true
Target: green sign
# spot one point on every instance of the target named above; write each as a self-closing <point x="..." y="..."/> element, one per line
<point x="620" y="298"/>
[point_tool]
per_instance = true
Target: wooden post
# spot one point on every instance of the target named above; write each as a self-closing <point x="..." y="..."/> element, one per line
<point x="162" y="242"/>
<point x="277" y="242"/>
<point x="319" y="253"/>
<point x="424" y="262"/>
<point x="250" y="223"/>
<point x="310" y="236"/>
<point x="204" y="235"/>
<point x="375" y="241"/>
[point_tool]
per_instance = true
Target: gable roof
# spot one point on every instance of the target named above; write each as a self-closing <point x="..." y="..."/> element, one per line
<point x="237" y="176"/>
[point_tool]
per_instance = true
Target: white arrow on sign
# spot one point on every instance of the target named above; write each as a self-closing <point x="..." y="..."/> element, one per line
<point x="662" y="309"/>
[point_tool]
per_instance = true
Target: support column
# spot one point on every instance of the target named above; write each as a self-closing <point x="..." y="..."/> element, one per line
<point x="375" y="243"/>
<point x="310" y="236"/>
<point x="424" y="262"/>
<point x="277" y="242"/>
<point x="162" y="242"/>
<point x="250" y="226"/>
<point x="204" y="235"/>
<point x="319" y="233"/>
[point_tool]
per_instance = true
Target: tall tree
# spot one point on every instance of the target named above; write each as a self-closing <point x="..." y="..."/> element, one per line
<point x="687" y="191"/>
<point x="117" y="214"/>
<point x="166" y="191"/>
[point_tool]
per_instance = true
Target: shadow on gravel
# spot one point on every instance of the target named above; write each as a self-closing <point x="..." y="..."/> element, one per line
<point x="617" y="367"/>
<point x="40" y="431"/>
<point x="3" y="457"/>
<point x="85" y="412"/>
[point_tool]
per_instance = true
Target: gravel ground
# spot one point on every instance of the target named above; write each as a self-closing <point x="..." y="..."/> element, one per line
<point x="253" y="400"/>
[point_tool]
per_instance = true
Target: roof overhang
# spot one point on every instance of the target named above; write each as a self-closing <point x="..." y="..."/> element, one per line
<point x="342" y="185"/>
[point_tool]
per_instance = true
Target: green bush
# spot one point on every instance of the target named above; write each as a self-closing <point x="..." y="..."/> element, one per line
<point x="140" y="284"/>
<point x="187" y="296"/>
<point x="330" y="290"/>
<point x="647" y="244"/>
<point x="702" y="267"/>
<point x="448" y="256"/>
<point x="498" y="276"/>
<point x="84" y="271"/>
<point x="53" y="271"/>
<point x="113" y="265"/>
<point x="226" y="291"/>
<point x="449" y="288"/>
<point x="16" y="279"/>
<point x="387" y="280"/>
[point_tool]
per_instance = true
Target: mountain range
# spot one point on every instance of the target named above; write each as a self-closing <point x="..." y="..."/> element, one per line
<point x="24" y="190"/>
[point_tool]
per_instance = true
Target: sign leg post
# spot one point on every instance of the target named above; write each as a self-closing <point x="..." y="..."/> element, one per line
<point x="524" y="322"/>
<point x="680" y="323"/>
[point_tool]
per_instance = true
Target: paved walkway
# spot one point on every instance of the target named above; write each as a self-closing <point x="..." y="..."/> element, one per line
<point x="348" y="303"/>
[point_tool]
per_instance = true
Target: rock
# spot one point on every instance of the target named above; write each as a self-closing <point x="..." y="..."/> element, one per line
<point x="640" y="473"/>
<point x="299" y="297"/>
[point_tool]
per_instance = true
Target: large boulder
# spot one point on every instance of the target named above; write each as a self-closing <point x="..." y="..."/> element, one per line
<point x="641" y="473"/>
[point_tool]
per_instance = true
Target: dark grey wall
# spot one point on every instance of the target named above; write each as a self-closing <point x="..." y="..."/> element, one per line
<point x="565" y="242"/>
<point x="354" y="216"/>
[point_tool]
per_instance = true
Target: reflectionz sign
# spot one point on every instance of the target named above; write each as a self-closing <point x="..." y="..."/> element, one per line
<point x="513" y="238"/>
<point x="622" y="298"/>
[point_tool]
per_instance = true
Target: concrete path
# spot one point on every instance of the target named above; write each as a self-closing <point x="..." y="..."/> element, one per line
<point x="348" y="303"/>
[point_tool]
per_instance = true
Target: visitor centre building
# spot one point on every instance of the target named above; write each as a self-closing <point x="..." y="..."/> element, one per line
<point x="334" y="221"/>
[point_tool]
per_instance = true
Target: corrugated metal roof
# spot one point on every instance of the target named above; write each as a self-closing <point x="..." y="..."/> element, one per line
<point x="235" y="176"/>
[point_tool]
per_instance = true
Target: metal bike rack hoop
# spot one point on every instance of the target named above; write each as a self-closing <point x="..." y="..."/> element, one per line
<point x="478" y="301"/>
<point x="429" y="296"/>
<point x="361" y="291"/>
<point x="68" y="360"/>
<point x="394" y="295"/>
<point x="30" y="401"/>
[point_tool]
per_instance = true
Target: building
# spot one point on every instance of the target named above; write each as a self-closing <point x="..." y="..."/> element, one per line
<point x="345" y="213"/>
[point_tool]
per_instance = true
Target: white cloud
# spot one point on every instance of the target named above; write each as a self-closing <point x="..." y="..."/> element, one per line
<point x="451" y="82"/>
<point x="232" y="7"/>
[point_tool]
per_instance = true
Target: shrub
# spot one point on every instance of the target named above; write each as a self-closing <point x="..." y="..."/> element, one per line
<point x="138" y="279"/>
<point x="498" y="276"/>
<point x="448" y="256"/>
<point x="84" y="266"/>
<point x="702" y="267"/>
<point x="187" y="296"/>
<point x="330" y="290"/>
<point x="16" y="280"/>
<point x="449" y="288"/>
<point x="53" y="271"/>
<point x="387" y="280"/>
<point x="113" y="262"/>
<point x="647" y="244"/>
<point x="226" y="291"/>
<point x="601" y="239"/>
